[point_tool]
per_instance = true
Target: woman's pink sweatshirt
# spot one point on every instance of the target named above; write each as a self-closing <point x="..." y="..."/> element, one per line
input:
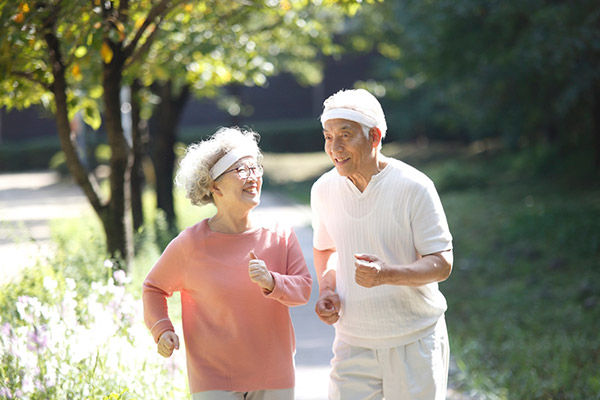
<point x="237" y="337"/>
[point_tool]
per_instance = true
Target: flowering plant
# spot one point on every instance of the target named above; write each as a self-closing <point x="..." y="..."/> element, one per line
<point x="91" y="345"/>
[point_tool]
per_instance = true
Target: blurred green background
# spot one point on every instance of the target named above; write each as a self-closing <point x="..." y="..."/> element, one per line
<point x="498" y="102"/>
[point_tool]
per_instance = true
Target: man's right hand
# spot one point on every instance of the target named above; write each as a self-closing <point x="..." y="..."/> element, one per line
<point x="168" y="342"/>
<point x="328" y="307"/>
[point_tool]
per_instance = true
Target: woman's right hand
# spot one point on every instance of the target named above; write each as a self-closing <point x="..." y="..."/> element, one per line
<point x="168" y="342"/>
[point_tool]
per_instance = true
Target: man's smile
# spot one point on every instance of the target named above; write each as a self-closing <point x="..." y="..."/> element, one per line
<point x="341" y="160"/>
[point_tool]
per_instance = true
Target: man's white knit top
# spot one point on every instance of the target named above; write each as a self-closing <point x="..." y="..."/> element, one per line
<point x="398" y="217"/>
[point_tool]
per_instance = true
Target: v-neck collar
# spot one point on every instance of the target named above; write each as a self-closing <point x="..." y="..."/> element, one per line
<point x="373" y="182"/>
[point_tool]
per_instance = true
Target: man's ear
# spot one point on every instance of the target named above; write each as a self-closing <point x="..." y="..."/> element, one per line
<point x="375" y="136"/>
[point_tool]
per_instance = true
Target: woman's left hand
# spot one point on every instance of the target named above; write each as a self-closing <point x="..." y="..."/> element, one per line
<point x="259" y="273"/>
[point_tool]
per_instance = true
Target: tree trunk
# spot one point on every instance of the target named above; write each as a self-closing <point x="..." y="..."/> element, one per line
<point x="139" y="139"/>
<point x="596" y="123"/>
<point x="112" y="214"/>
<point x="80" y="174"/>
<point x="167" y="118"/>
<point x="117" y="221"/>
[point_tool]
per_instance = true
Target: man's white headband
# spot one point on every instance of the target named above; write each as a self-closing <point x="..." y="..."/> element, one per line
<point x="351" y="115"/>
<point x="228" y="159"/>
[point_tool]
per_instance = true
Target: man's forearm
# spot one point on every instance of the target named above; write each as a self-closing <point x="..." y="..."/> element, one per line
<point x="325" y="261"/>
<point x="428" y="269"/>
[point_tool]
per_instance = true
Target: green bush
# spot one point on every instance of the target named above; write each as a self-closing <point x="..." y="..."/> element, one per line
<point x="301" y="135"/>
<point x="524" y="294"/>
<point x="284" y="136"/>
<point x="28" y="155"/>
<point x="74" y="345"/>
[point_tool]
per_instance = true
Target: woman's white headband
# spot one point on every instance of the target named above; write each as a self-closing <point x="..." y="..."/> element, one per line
<point x="351" y="115"/>
<point x="228" y="159"/>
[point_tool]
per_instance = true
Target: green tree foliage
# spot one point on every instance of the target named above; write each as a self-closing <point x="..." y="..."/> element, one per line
<point x="76" y="55"/>
<point x="70" y="55"/>
<point x="524" y="70"/>
<point x="209" y="47"/>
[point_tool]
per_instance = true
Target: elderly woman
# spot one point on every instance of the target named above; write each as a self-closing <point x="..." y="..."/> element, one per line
<point x="237" y="278"/>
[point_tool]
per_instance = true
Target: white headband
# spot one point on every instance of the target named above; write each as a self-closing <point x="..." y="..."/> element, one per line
<point x="351" y="115"/>
<point x="228" y="159"/>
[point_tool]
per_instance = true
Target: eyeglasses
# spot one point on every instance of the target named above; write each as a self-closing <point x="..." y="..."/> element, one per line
<point x="245" y="171"/>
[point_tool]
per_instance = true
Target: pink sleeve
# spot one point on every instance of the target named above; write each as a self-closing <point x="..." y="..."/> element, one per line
<point x="166" y="277"/>
<point x="292" y="288"/>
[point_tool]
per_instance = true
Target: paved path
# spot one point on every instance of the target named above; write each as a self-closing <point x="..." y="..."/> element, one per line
<point x="313" y="338"/>
<point x="29" y="201"/>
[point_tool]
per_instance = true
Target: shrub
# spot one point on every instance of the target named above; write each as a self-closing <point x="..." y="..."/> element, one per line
<point x="83" y="346"/>
<point x="72" y="326"/>
<point x="28" y="155"/>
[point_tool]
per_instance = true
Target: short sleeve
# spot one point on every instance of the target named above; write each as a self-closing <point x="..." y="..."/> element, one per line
<point x="430" y="227"/>
<point x="321" y="238"/>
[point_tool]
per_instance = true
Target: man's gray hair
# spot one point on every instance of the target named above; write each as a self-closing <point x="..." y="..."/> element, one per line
<point x="193" y="175"/>
<point x="356" y="105"/>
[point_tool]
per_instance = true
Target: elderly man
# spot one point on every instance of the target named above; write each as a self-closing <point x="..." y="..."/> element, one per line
<point x="381" y="245"/>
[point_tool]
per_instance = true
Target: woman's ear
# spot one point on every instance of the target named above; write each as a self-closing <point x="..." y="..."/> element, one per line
<point x="375" y="136"/>
<point x="215" y="190"/>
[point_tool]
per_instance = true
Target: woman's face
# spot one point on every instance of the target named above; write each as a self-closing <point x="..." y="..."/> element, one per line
<point x="240" y="184"/>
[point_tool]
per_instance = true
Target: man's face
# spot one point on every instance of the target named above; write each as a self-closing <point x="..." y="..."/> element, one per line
<point x="348" y="147"/>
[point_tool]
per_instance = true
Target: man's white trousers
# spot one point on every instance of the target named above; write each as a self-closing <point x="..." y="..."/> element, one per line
<point x="415" y="371"/>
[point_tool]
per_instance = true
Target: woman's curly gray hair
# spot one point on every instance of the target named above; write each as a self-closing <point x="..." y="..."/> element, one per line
<point x="193" y="175"/>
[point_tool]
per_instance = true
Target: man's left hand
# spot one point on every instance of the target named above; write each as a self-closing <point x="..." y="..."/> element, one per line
<point x="369" y="270"/>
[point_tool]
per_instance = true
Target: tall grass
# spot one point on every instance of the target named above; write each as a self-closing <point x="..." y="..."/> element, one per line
<point x="524" y="296"/>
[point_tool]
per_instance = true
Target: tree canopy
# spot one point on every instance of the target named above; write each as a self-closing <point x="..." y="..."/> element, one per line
<point x="76" y="55"/>
<point x="526" y="71"/>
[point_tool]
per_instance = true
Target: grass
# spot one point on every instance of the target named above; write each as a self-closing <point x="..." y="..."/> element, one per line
<point x="524" y="297"/>
<point x="524" y="293"/>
